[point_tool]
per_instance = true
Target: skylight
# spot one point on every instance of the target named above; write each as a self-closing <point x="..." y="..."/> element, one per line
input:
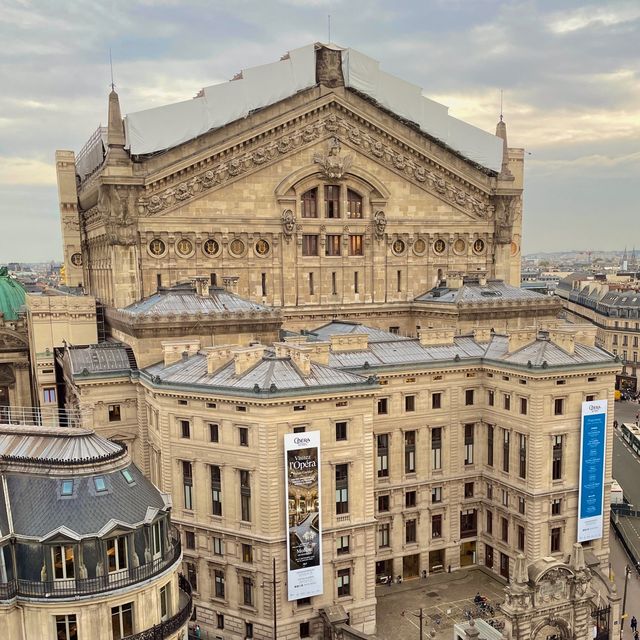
<point x="67" y="488"/>
<point x="127" y="476"/>
<point x="100" y="483"/>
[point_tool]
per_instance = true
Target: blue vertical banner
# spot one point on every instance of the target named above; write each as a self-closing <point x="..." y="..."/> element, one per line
<point x="593" y="448"/>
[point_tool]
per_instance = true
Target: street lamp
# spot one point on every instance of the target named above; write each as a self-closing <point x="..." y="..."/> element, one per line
<point x="627" y="571"/>
<point x="420" y="617"/>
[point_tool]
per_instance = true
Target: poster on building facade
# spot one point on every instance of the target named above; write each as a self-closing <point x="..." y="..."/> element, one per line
<point x="593" y="445"/>
<point x="304" y="532"/>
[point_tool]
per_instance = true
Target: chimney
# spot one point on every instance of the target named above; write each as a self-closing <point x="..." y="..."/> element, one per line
<point x="246" y="357"/>
<point x="320" y="352"/>
<point x="482" y="334"/>
<point x="301" y="357"/>
<point x="231" y="283"/>
<point x="173" y="350"/>
<point x="201" y="283"/>
<point x="349" y="342"/>
<point x="519" y="338"/>
<point x="437" y="337"/>
<point x="218" y="356"/>
<point x="586" y="334"/>
<point x="564" y="338"/>
<point x="454" y="280"/>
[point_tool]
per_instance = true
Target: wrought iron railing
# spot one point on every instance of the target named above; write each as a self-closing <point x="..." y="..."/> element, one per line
<point x="43" y="416"/>
<point x="173" y="624"/>
<point x="88" y="586"/>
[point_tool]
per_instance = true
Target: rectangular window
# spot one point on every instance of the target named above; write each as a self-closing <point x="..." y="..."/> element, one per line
<point x="520" y="538"/>
<point x="489" y="491"/>
<point x="66" y="627"/>
<point x="521" y="505"/>
<point x="192" y="575"/>
<point x="248" y="630"/>
<point x="190" y="539"/>
<point x="506" y="439"/>
<point x="334" y="284"/>
<point x="187" y="484"/>
<point x="311" y="288"/>
<point x="410" y="499"/>
<point x="488" y="556"/>
<point x="556" y="458"/>
<point x="342" y="545"/>
<point x="436" y="448"/>
<point x="468" y="397"/>
<point x="157" y="538"/>
<point x="468" y="443"/>
<point x="114" y="413"/>
<point x="558" y="407"/>
<point x="506" y="400"/>
<point x="122" y="621"/>
<point x="332" y="201"/>
<point x="247" y="591"/>
<point x="490" y="435"/>
<point x="410" y="403"/>
<point x="355" y="282"/>
<point x="341" y="431"/>
<point x="245" y="495"/>
<point x="399" y="280"/>
<point x="382" y="441"/>
<point x="343" y="582"/>
<point x="468" y="489"/>
<point x="505" y="498"/>
<point x="218" y="546"/>
<point x="436" y="400"/>
<point x="468" y="523"/>
<point x="356" y="245"/>
<point x="504" y="565"/>
<point x="243" y="436"/>
<point x="342" y="489"/>
<point x="309" y="245"/>
<point x="164" y="602"/>
<point x="247" y="553"/>
<point x="214" y="279"/>
<point x="522" y="456"/>
<point x="354" y="204"/>
<point x="117" y="554"/>
<point x="216" y="490"/>
<point x="491" y="398"/>
<point x="505" y="529"/>
<point x="62" y="559"/>
<point x="219" y="583"/>
<point x="310" y="204"/>
<point x="49" y="395"/>
<point x="436" y="495"/>
<point x="214" y="432"/>
<point x="220" y="621"/>
<point x="383" y="535"/>
<point x="556" y="534"/>
<point x="158" y="280"/>
<point x="185" y="429"/>
<point x="332" y="246"/>
<point x="263" y="283"/>
<point x="523" y="406"/>
<point x="383" y="406"/>
<point x="305" y="630"/>
<point x="410" y="531"/>
<point x="489" y="523"/>
<point x="383" y="503"/>
<point x="556" y="507"/>
<point x="436" y="526"/>
<point x="409" y="451"/>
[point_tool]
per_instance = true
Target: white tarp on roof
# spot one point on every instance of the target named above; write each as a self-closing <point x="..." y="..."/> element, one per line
<point x="168" y="126"/>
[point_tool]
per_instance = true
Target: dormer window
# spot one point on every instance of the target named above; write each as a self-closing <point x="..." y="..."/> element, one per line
<point x="67" y="488"/>
<point x="62" y="559"/>
<point x="310" y="204"/>
<point x="117" y="554"/>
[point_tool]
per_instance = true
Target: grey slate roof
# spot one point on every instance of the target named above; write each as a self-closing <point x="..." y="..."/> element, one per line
<point x="341" y="327"/>
<point x="494" y="290"/>
<point x="183" y="299"/>
<point x="98" y="358"/>
<point x="542" y="351"/>
<point x="38" y="509"/>
<point x="281" y="372"/>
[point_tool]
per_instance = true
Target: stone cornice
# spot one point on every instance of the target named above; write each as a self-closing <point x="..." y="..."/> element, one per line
<point x="333" y="119"/>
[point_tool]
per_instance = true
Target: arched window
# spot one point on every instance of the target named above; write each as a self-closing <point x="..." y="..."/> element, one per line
<point x="354" y="204"/>
<point x="310" y="204"/>
<point x="332" y="201"/>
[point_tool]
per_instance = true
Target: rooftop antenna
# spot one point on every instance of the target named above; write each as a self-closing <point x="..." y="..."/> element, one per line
<point x="501" y="105"/>
<point x="113" y="86"/>
<point x="329" y="27"/>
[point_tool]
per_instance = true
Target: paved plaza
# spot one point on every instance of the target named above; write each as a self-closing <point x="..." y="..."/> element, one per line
<point x="444" y="598"/>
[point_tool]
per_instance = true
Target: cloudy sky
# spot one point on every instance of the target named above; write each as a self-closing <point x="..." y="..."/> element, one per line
<point x="570" y="72"/>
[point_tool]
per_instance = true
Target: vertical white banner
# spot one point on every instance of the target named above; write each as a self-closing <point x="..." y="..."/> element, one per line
<point x="303" y="500"/>
<point x="593" y="446"/>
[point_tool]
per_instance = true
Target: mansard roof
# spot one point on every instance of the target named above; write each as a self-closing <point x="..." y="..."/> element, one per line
<point x="474" y="292"/>
<point x="162" y="128"/>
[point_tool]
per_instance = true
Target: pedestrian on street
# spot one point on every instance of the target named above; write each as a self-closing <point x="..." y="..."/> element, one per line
<point x="634" y="624"/>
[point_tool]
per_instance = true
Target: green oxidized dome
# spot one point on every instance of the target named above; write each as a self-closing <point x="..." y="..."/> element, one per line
<point x="12" y="295"/>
